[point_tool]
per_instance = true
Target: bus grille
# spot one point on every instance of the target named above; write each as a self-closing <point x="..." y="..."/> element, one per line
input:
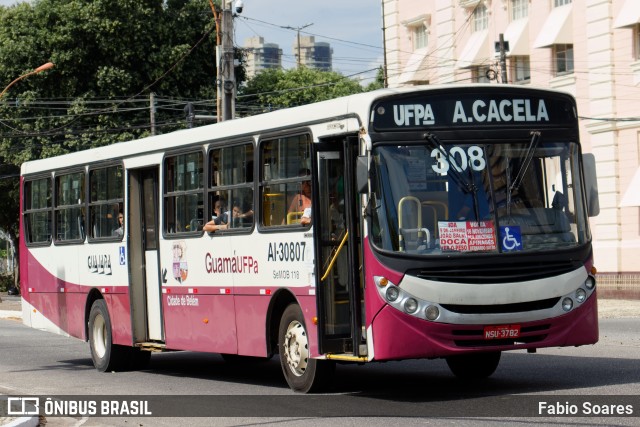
<point x="496" y="272"/>
<point x="502" y="308"/>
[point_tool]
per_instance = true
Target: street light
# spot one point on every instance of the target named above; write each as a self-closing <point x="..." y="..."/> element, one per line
<point x="40" y="69"/>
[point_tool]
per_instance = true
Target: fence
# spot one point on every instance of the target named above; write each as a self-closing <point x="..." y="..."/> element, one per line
<point x="618" y="285"/>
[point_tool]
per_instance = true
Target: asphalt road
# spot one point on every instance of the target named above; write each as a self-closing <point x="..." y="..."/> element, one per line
<point x="37" y="363"/>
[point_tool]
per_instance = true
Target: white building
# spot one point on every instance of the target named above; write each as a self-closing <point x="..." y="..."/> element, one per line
<point x="312" y="54"/>
<point x="261" y="55"/>
<point x="590" y="48"/>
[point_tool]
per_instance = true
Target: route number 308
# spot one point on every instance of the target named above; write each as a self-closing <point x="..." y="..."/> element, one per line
<point x="459" y="159"/>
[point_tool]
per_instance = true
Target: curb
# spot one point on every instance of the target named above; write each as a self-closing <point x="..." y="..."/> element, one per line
<point x="24" y="422"/>
<point x="6" y="314"/>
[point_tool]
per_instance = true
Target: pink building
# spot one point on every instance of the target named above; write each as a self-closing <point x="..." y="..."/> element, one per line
<point x="589" y="48"/>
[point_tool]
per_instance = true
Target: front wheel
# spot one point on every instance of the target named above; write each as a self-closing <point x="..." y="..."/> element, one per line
<point x="474" y="366"/>
<point x="303" y="373"/>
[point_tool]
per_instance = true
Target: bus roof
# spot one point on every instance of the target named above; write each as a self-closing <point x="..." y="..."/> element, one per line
<point x="357" y="105"/>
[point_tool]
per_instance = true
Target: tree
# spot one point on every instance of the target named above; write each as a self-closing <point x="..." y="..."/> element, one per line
<point x="378" y="83"/>
<point x="276" y="88"/>
<point x="105" y="52"/>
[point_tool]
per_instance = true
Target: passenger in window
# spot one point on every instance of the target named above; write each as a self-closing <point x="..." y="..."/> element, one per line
<point x="239" y="215"/>
<point x="219" y="218"/>
<point x="247" y="211"/>
<point x="301" y="202"/>
<point x="306" y="217"/>
<point x="120" y="230"/>
<point x="212" y="226"/>
<point x="218" y="211"/>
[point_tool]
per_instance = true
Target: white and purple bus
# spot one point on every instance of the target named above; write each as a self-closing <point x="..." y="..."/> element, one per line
<point x="441" y="222"/>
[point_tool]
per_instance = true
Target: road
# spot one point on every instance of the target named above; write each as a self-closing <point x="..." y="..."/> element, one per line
<point x="37" y="363"/>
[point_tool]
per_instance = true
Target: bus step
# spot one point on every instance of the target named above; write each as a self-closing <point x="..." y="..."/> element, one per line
<point x="151" y="346"/>
<point x="346" y="357"/>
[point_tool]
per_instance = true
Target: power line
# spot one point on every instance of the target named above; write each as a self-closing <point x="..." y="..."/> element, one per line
<point x="379" y="48"/>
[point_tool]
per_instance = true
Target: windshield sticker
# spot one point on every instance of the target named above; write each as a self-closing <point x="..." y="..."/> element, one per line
<point x="510" y="238"/>
<point x="467" y="236"/>
<point x="416" y="174"/>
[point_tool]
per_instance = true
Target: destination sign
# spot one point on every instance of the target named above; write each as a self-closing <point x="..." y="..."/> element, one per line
<point x="459" y="109"/>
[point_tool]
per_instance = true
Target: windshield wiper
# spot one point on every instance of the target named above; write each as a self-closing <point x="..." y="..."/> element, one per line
<point x="533" y="144"/>
<point x="466" y="185"/>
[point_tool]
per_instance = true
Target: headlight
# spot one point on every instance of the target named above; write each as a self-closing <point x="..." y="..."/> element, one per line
<point x="567" y="304"/>
<point x="411" y="305"/>
<point x="581" y="295"/>
<point x="590" y="283"/>
<point x="431" y="312"/>
<point x="392" y="293"/>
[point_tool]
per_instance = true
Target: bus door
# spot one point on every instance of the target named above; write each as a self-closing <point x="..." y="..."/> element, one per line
<point x="337" y="236"/>
<point x="144" y="271"/>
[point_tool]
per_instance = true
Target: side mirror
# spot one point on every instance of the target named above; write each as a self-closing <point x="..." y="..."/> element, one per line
<point x="362" y="174"/>
<point x="591" y="184"/>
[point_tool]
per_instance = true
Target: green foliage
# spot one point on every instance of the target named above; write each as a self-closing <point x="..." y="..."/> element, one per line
<point x="6" y="282"/>
<point x="378" y="83"/>
<point x="109" y="55"/>
<point x="277" y="88"/>
<point x="109" y="50"/>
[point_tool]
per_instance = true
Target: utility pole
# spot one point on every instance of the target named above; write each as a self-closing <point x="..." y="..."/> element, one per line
<point x="503" y="59"/>
<point x="152" y="112"/>
<point x="190" y="114"/>
<point x="384" y="48"/>
<point x="228" y="77"/>
<point x="216" y="17"/>
<point x="299" y="55"/>
<point x="225" y="74"/>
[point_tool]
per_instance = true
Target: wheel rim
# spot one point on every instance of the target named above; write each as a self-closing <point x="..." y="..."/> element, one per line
<point x="296" y="348"/>
<point x="99" y="336"/>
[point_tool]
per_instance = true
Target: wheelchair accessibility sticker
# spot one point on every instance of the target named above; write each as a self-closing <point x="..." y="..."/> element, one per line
<point x="510" y="238"/>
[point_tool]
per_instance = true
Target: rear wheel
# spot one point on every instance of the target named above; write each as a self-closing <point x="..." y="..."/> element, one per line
<point x="106" y="356"/>
<point x="474" y="366"/>
<point x="302" y="373"/>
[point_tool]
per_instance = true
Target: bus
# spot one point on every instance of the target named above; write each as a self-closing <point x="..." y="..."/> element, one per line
<point x="431" y="222"/>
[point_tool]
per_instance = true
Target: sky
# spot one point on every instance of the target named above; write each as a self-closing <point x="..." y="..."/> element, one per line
<point x="353" y="28"/>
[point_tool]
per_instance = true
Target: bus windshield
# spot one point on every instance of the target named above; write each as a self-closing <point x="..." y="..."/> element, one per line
<point x="442" y="199"/>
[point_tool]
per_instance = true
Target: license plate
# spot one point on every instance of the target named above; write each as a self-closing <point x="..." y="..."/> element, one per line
<point x="501" y="332"/>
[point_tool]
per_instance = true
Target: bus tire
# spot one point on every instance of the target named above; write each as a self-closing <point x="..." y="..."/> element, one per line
<point x="106" y="356"/>
<point x="474" y="366"/>
<point x="303" y="373"/>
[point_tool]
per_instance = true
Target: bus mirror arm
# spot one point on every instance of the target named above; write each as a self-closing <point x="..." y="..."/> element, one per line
<point x="362" y="174"/>
<point x="373" y="204"/>
<point x="368" y="210"/>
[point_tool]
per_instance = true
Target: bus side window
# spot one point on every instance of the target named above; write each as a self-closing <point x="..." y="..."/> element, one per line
<point x="183" y="193"/>
<point x="106" y="203"/>
<point x="285" y="178"/>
